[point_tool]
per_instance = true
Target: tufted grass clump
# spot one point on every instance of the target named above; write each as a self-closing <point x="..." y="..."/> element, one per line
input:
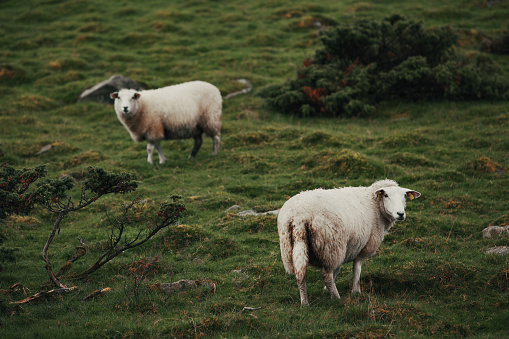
<point x="413" y="138"/>
<point x="83" y="158"/>
<point x="345" y="163"/>
<point x="320" y="138"/>
<point x="218" y="248"/>
<point x="483" y="164"/>
<point x="33" y="102"/>
<point x="181" y="236"/>
<point x="67" y="64"/>
<point x="410" y="159"/>
<point x="10" y="74"/>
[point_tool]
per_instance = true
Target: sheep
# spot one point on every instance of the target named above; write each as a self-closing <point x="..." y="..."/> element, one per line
<point x="180" y="111"/>
<point x="327" y="228"/>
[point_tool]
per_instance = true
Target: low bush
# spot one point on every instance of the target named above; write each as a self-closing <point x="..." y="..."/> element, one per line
<point x="361" y="65"/>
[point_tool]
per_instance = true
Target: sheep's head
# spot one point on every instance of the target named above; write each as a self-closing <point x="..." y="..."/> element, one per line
<point x="126" y="102"/>
<point x="393" y="201"/>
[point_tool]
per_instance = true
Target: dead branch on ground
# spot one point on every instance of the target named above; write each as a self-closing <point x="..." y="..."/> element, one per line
<point x="45" y="294"/>
<point x="98" y="293"/>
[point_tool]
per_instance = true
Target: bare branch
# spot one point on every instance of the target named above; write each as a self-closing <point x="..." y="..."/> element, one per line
<point x="80" y="251"/>
<point x="96" y="294"/>
<point x="169" y="214"/>
<point x="45" y="294"/>
<point x="56" y="227"/>
<point x="17" y="286"/>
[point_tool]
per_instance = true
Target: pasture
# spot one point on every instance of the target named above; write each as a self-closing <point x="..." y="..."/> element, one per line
<point x="431" y="276"/>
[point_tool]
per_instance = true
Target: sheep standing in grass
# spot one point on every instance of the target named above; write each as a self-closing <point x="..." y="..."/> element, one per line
<point x="175" y="112"/>
<point x="327" y="228"/>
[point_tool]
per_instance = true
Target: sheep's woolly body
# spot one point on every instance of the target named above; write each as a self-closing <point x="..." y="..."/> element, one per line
<point x="175" y="112"/>
<point x="326" y="228"/>
<point x="317" y="215"/>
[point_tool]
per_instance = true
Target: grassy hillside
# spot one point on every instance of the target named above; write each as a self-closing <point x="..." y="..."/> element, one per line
<point x="431" y="277"/>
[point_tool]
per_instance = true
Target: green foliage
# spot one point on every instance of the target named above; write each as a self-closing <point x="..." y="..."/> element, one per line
<point x="138" y="272"/>
<point x="171" y="210"/>
<point x="499" y="45"/>
<point x="431" y="276"/>
<point x="15" y="197"/>
<point x="102" y="182"/>
<point x="369" y="62"/>
<point x="134" y="226"/>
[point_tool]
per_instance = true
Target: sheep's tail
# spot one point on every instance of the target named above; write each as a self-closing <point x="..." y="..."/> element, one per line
<point x="294" y="247"/>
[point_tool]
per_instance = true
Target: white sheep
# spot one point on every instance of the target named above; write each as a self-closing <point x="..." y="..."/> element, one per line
<point x="175" y="112"/>
<point x="327" y="228"/>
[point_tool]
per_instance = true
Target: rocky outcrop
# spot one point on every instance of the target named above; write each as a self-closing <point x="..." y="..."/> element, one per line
<point x="492" y="231"/>
<point x="101" y="92"/>
<point x="496" y="231"/>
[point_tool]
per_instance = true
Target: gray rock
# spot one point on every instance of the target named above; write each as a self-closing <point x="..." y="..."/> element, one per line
<point x="101" y="92"/>
<point x="233" y="208"/>
<point x="500" y="250"/>
<point x="253" y="212"/>
<point x="491" y="231"/>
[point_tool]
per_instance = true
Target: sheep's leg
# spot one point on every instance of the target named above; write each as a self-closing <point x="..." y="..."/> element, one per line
<point x="198" y="140"/>
<point x="162" y="158"/>
<point x="215" y="144"/>
<point x="357" y="265"/>
<point x="150" y="151"/>
<point x="336" y="272"/>
<point x="301" y="282"/>
<point x="300" y="265"/>
<point x="328" y="279"/>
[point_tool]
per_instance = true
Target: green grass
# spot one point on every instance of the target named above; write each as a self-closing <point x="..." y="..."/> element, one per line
<point x="430" y="278"/>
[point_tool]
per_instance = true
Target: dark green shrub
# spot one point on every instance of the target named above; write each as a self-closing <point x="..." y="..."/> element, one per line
<point x="499" y="45"/>
<point x="361" y="65"/>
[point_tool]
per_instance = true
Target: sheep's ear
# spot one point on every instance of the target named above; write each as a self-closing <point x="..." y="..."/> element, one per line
<point x="136" y="95"/>
<point x="114" y="95"/>
<point x="379" y="193"/>
<point x="413" y="195"/>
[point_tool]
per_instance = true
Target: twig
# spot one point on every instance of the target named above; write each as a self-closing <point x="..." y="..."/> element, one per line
<point x="98" y="293"/>
<point x="251" y="309"/>
<point x="44" y="294"/>
<point x="248" y="89"/>
<point x="18" y="285"/>
<point x="51" y="275"/>
<point x="80" y="251"/>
